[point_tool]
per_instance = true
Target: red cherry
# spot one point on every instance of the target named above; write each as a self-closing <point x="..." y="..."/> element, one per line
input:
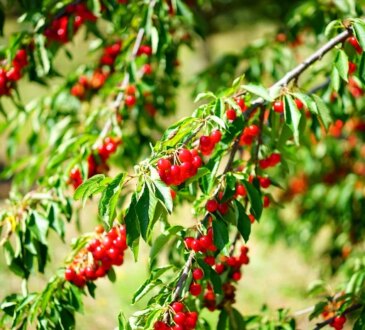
<point x="241" y="190"/>
<point x="130" y="100"/>
<point x="241" y="103"/>
<point x="252" y="130"/>
<point x="130" y="90"/>
<point x="216" y="136"/>
<point x="195" y="289"/>
<point x="189" y="242"/>
<point x="231" y="114"/>
<point x="299" y="104"/>
<point x="195" y="245"/>
<point x="13" y="74"/>
<point x="70" y="274"/>
<point x="173" y="193"/>
<point x="353" y="41"/>
<point x="275" y="158"/>
<point x="185" y="156"/>
<point x="159" y="325"/>
<point x="252" y="218"/>
<point x="198" y="274"/>
<point x="209" y="260"/>
<point x="186" y="170"/>
<point x="206" y="143"/>
<point x="264" y="182"/>
<point x="236" y="276"/>
<point x="278" y="106"/>
<point x="178" y="306"/>
<point x="211" y="206"/>
<point x="352" y="67"/>
<point x="179" y="318"/>
<point x="266" y="201"/>
<point x="220" y="268"/>
<point x="164" y="164"/>
<point x="147" y="69"/>
<point x="223" y="208"/>
<point x="197" y="161"/>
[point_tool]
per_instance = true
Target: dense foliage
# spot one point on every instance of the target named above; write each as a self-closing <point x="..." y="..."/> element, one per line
<point x="293" y="152"/>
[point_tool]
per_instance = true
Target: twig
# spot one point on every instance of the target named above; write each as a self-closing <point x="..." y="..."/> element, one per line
<point x="331" y="319"/>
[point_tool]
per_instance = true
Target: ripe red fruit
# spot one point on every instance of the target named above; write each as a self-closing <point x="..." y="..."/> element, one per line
<point x="188" y="242"/>
<point x="252" y="218"/>
<point x="186" y="170"/>
<point x="144" y="50"/>
<point x="130" y="100"/>
<point x="241" y="190"/>
<point x="147" y="69"/>
<point x="130" y="90"/>
<point x="195" y="245"/>
<point x="206" y="143"/>
<point x="211" y="206"/>
<point x="352" y="67"/>
<point x="210" y="260"/>
<point x="299" y="104"/>
<point x="13" y="74"/>
<point x="266" y="201"/>
<point x="241" y="103"/>
<point x="173" y="193"/>
<point x="191" y="319"/>
<point x="278" y="106"/>
<point x="353" y="41"/>
<point x="159" y="325"/>
<point x="164" y="164"/>
<point x="197" y="161"/>
<point x="252" y="130"/>
<point x="216" y="136"/>
<point x="264" y="182"/>
<point x="70" y="274"/>
<point x="231" y="114"/>
<point x="198" y="274"/>
<point x="179" y="318"/>
<point x="178" y="306"/>
<point x="236" y="276"/>
<point x="195" y="289"/>
<point x="185" y="156"/>
<point x="220" y="268"/>
<point x="223" y="208"/>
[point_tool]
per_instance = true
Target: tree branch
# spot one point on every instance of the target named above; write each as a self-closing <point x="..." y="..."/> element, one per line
<point x="331" y="319"/>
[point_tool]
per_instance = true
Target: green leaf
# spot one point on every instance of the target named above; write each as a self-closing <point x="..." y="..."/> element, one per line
<point x="145" y="209"/>
<point x="111" y="275"/>
<point x="243" y="223"/>
<point x="109" y="199"/>
<point x="205" y="95"/>
<point x="88" y="187"/>
<point x="292" y="116"/>
<point x="163" y="194"/>
<point x="259" y="91"/>
<point x="38" y="225"/>
<point x="342" y="64"/>
<point x="335" y="79"/>
<point x="222" y="320"/>
<point x="255" y="199"/>
<point x="43" y="62"/>
<point x="323" y="111"/>
<point x="154" y="39"/>
<point x="220" y="234"/>
<point x="359" y="29"/>
<point x="361" y="71"/>
<point x="132" y="225"/>
<point x="360" y="322"/>
<point x="236" y="321"/>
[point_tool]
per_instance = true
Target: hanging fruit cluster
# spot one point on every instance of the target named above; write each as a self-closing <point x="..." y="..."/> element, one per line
<point x="96" y="259"/>
<point x="97" y="161"/>
<point x="75" y="15"/>
<point x="10" y="74"/>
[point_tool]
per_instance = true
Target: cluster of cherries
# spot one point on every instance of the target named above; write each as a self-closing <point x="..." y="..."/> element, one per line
<point x="9" y="76"/>
<point x="175" y="174"/>
<point x="231" y="113"/>
<point x="270" y="161"/>
<point x="182" y="319"/>
<point x="97" y="162"/>
<point x="338" y="322"/>
<point x="232" y="266"/>
<point x="58" y="31"/>
<point x="249" y="134"/>
<point x="94" y="261"/>
<point x="208" y="142"/>
<point x="87" y="85"/>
